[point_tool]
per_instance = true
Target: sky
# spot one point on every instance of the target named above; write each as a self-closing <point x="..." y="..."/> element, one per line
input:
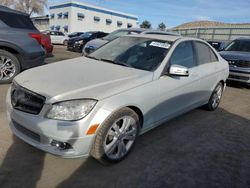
<point x="176" y="12"/>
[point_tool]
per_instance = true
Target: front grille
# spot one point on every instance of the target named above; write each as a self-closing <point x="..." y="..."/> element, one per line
<point x="26" y="132"/>
<point x="25" y="100"/>
<point x="239" y="77"/>
<point x="239" y="63"/>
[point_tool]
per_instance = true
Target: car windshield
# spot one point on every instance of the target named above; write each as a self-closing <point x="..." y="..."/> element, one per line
<point x="116" y="34"/>
<point x="239" y="45"/>
<point x="135" y="52"/>
<point x="86" y="35"/>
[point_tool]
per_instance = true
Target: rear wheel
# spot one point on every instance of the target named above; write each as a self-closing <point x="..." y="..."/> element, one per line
<point x="215" y="98"/>
<point x="65" y="42"/>
<point x="9" y="67"/>
<point x="116" y="137"/>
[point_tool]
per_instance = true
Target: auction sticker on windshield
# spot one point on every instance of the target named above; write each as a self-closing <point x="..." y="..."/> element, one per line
<point x="160" y="44"/>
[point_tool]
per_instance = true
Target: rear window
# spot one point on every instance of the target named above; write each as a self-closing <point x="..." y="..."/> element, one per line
<point x="204" y="53"/>
<point x="16" y="20"/>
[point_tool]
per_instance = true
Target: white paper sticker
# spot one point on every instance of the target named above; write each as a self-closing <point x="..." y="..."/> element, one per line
<point x="160" y="44"/>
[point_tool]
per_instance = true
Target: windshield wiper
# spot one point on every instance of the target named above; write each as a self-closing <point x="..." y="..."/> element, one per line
<point x="124" y="64"/>
<point x="91" y="57"/>
<point x="107" y="60"/>
<point x="116" y="62"/>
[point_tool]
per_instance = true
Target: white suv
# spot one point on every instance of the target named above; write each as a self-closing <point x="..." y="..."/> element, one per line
<point x="58" y="37"/>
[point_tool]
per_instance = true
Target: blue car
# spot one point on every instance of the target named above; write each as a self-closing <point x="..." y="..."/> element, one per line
<point x="237" y="53"/>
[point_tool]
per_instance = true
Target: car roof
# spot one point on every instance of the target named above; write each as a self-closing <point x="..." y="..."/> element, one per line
<point x="170" y="38"/>
<point x="243" y="39"/>
<point x="157" y="32"/>
<point x="132" y="29"/>
<point x="6" y="9"/>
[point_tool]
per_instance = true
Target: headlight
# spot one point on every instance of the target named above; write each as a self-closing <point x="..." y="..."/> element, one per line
<point x="79" y="42"/>
<point x="71" y="110"/>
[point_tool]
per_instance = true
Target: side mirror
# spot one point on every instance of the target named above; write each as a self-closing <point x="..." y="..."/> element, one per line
<point x="178" y="70"/>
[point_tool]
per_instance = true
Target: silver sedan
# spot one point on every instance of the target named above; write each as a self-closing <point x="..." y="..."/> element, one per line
<point x="98" y="105"/>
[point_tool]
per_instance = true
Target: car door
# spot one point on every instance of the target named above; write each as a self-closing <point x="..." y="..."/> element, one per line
<point x="60" y="37"/>
<point x="53" y="37"/>
<point x="208" y="65"/>
<point x="178" y="94"/>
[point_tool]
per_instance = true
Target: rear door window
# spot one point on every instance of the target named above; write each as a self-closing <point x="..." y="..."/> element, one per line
<point x="17" y="20"/>
<point x="204" y="53"/>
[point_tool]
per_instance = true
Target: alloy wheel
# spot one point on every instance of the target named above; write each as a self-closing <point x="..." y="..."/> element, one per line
<point x="217" y="96"/>
<point x="7" y="68"/>
<point x="120" y="137"/>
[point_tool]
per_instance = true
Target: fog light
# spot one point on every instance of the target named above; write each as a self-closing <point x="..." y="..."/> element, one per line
<point x="60" y="145"/>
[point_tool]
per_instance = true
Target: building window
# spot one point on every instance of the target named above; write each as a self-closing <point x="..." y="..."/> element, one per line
<point x="80" y="16"/>
<point x="108" y="21"/>
<point x="119" y="23"/>
<point x="52" y="16"/>
<point x="66" y="28"/>
<point x="52" y="27"/>
<point x="129" y="25"/>
<point x="97" y="19"/>
<point x="59" y="15"/>
<point x="66" y="15"/>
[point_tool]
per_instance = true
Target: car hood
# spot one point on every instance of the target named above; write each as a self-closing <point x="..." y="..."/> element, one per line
<point x="96" y="43"/>
<point x="234" y="55"/>
<point x="81" y="78"/>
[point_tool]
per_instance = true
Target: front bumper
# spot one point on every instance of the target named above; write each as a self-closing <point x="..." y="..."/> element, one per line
<point x="40" y="132"/>
<point x="239" y="74"/>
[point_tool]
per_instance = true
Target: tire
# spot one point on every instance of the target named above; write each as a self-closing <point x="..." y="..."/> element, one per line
<point x="65" y="42"/>
<point x="215" y="98"/>
<point x="103" y="150"/>
<point x="9" y="67"/>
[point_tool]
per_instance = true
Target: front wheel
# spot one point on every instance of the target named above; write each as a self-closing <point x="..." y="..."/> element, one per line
<point x="215" y="98"/>
<point x="116" y="136"/>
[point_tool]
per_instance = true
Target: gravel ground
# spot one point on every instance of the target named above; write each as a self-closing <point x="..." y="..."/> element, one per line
<point x="197" y="149"/>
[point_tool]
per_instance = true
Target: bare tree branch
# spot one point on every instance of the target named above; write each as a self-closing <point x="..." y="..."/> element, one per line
<point x="31" y="6"/>
<point x="7" y="3"/>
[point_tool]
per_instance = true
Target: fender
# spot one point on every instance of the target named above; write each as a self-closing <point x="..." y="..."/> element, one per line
<point x="13" y="46"/>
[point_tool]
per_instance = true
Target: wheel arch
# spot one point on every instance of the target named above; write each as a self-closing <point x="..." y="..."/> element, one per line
<point x="139" y="113"/>
<point x="13" y="50"/>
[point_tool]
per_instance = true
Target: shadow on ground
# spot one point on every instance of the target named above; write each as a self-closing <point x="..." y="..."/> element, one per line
<point x="198" y="149"/>
<point x="22" y="166"/>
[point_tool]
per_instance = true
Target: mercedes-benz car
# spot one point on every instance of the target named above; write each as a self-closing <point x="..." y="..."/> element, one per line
<point x="98" y="105"/>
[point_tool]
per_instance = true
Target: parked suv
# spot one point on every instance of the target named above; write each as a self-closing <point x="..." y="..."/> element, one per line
<point x="20" y="47"/>
<point x="77" y="43"/>
<point x="237" y="53"/>
<point x="58" y="37"/>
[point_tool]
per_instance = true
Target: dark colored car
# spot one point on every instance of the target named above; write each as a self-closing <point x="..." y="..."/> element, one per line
<point x="75" y="34"/>
<point x="218" y="45"/>
<point x="237" y="53"/>
<point x="20" y="41"/>
<point x="46" y="43"/>
<point x="93" y="45"/>
<point x="77" y="43"/>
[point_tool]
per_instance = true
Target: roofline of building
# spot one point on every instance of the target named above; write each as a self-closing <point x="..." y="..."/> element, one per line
<point x="213" y="27"/>
<point x="71" y="3"/>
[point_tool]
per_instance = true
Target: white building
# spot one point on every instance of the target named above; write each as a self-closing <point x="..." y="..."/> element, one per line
<point x="72" y="16"/>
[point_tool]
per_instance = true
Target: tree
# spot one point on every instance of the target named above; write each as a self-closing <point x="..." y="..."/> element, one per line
<point x="30" y="6"/>
<point x="162" y="26"/>
<point x="7" y="3"/>
<point x="146" y="24"/>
